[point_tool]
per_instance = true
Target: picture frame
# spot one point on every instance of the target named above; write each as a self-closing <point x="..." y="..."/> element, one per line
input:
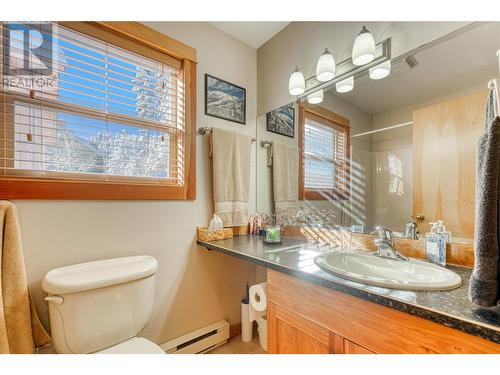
<point x="225" y="100"/>
<point x="281" y="121"/>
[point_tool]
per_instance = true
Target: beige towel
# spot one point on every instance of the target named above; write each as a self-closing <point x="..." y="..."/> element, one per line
<point x="20" y="329"/>
<point x="285" y="176"/>
<point x="231" y="153"/>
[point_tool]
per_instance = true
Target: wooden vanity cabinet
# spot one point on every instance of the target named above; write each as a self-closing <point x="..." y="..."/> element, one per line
<point x="305" y="318"/>
<point x="290" y="333"/>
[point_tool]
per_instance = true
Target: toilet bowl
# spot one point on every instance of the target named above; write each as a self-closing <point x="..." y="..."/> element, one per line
<point x="100" y="307"/>
<point x="136" y="345"/>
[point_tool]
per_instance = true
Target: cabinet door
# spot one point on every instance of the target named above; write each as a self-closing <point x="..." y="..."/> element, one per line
<point x="445" y="137"/>
<point x="353" y="348"/>
<point x="289" y="333"/>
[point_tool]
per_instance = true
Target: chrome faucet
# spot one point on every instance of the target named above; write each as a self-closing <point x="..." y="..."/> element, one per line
<point x="385" y="245"/>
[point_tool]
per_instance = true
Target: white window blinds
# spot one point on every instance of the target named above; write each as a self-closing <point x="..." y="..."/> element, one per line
<point x="82" y="108"/>
<point x="324" y="156"/>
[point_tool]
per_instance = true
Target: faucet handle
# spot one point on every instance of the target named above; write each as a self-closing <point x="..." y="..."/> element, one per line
<point x="385" y="233"/>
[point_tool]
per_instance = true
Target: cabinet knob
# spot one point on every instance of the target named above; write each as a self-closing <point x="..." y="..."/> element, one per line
<point x="420" y="218"/>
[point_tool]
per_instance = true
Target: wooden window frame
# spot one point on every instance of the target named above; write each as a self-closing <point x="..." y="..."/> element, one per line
<point x="138" y="38"/>
<point x="334" y="120"/>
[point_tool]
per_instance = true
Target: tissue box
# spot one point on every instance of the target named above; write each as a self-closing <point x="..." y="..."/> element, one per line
<point x="213" y="235"/>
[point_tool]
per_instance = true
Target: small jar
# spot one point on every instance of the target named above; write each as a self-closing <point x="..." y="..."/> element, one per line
<point x="273" y="234"/>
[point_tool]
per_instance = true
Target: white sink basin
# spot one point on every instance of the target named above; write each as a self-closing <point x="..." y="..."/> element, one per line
<point x="388" y="273"/>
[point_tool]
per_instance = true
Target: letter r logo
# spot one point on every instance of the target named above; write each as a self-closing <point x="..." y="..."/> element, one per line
<point x="28" y="49"/>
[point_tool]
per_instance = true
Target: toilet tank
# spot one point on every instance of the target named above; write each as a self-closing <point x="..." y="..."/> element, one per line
<point x="99" y="304"/>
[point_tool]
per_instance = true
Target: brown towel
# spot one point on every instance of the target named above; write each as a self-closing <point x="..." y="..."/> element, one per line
<point x="231" y="153"/>
<point x="20" y="328"/>
<point x="485" y="279"/>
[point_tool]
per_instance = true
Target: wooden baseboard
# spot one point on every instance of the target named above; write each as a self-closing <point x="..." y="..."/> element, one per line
<point x="234" y="330"/>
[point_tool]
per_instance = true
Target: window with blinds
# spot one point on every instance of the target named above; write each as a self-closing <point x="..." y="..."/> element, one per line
<point x="81" y="108"/>
<point x="325" y="157"/>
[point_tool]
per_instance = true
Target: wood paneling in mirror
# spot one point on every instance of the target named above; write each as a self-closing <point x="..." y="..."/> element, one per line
<point x="445" y="136"/>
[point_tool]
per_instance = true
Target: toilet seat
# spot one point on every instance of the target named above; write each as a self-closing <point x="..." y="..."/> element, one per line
<point x="135" y="345"/>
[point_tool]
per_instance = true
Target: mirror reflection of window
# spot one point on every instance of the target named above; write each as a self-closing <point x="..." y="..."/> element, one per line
<point x="396" y="183"/>
<point x="319" y="155"/>
<point x="325" y="154"/>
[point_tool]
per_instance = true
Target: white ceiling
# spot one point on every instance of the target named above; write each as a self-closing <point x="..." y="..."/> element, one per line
<point x="462" y="62"/>
<point x="253" y="33"/>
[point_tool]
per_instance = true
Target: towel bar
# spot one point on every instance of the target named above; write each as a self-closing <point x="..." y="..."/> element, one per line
<point x="205" y="130"/>
<point x="266" y="143"/>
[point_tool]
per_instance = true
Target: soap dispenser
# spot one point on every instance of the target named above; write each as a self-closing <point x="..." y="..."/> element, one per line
<point x="442" y="230"/>
<point x="435" y="245"/>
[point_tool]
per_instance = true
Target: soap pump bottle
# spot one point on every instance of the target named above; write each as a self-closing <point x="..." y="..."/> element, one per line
<point x="435" y="245"/>
<point x="431" y="246"/>
<point x="442" y="230"/>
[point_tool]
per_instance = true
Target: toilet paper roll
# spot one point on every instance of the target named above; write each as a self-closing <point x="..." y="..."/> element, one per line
<point x="258" y="301"/>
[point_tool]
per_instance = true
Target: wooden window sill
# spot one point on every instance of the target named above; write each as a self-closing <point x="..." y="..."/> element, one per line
<point x="18" y="188"/>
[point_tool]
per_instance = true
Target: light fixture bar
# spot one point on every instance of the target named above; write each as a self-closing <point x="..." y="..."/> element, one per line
<point x="346" y="69"/>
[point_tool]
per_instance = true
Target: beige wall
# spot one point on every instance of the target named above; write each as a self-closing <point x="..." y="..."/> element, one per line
<point x="301" y="43"/>
<point x="195" y="287"/>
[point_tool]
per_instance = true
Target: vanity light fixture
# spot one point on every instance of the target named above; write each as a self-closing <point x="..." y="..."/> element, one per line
<point x="380" y="71"/>
<point x="325" y="68"/>
<point x="345" y="86"/>
<point x="363" y="50"/>
<point x="316" y="97"/>
<point x="366" y="57"/>
<point x="297" y="83"/>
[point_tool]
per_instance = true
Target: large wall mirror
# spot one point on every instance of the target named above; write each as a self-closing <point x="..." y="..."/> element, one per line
<point x="388" y="152"/>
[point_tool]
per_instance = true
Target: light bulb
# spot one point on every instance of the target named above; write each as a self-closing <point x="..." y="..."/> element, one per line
<point x="297" y="83"/>
<point x="346" y="85"/>
<point x="316" y="97"/>
<point x="381" y="71"/>
<point x="325" y="68"/>
<point x="363" y="50"/>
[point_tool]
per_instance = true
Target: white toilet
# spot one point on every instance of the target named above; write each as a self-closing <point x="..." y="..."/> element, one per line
<point x="100" y="307"/>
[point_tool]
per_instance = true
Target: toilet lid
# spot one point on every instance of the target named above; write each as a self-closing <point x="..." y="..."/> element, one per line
<point x="136" y="345"/>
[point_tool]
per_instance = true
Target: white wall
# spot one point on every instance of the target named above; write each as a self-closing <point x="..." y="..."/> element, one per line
<point x="195" y="287"/>
<point x="301" y="43"/>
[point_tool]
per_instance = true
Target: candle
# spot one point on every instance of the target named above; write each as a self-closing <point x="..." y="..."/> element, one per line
<point x="273" y="233"/>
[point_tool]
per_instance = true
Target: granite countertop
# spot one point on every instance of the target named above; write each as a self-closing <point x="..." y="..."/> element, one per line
<point x="296" y="257"/>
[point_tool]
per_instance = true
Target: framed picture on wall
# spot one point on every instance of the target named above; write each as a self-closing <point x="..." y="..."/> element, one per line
<point x="225" y="100"/>
<point x="282" y="121"/>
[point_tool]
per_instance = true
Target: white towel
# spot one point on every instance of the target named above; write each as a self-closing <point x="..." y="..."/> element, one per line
<point x="285" y="176"/>
<point x="231" y="155"/>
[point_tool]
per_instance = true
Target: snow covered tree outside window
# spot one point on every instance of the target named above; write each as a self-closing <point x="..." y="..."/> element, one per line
<point x="144" y="154"/>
